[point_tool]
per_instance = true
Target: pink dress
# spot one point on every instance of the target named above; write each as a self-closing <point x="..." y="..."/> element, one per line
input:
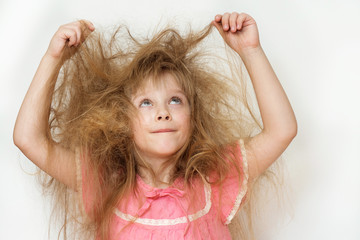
<point x="171" y="213"/>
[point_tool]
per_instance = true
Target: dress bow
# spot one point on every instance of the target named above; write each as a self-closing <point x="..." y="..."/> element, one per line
<point x="159" y="193"/>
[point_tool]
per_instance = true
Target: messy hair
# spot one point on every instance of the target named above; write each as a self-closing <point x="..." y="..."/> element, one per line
<point x="91" y="110"/>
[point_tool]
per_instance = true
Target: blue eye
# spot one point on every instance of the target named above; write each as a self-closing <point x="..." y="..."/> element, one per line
<point x="145" y="103"/>
<point x="175" y="100"/>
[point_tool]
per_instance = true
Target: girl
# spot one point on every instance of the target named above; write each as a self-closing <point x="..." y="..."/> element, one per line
<point x="147" y="131"/>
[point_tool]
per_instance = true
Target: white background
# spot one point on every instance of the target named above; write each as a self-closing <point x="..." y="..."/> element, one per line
<point x="314" y="47"/>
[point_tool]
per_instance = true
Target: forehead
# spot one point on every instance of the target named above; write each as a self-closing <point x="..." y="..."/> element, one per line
<point x="165" y="81"/>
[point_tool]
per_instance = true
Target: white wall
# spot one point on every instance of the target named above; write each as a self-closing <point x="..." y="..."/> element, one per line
<point x="314" y="47"/>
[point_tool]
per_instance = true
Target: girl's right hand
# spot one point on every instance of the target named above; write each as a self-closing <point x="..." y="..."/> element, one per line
<point x="70" y="35"/>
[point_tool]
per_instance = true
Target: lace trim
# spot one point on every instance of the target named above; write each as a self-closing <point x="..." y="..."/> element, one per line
<point x="243" y="187"/>
<point x="167" y="222"/>
<point x="184" y="219"/>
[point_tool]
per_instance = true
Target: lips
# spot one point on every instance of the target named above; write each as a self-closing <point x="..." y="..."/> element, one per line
<point x="165" y="130"/>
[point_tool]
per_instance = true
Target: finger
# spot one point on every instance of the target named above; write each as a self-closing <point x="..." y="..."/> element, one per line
<point x="88" y="24"/>
<point x="78" y="31"/>
<point x="232" y="21"/>
<point x="69" y="35"/>
<point x="240" y="20"/>
<point x="81" y="28"/>
<point x="218" y="18"/>
<point x="225" y="21"/>
<point x="86" y="27"/>
<point x="218" y="27"/>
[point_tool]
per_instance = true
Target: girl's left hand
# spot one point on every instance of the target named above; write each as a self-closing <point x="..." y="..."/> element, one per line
<point x="239" y="31"/>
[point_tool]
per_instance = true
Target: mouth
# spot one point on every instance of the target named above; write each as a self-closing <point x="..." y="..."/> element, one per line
<point x="165" y="130"/>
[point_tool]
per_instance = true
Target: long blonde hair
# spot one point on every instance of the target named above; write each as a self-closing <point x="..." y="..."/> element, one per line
<point x="91" y="110"/>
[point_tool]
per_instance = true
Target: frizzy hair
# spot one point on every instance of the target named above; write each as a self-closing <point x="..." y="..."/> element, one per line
<point x="91" y="110"/>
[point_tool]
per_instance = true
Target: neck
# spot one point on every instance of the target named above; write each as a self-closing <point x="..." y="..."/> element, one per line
<point x="163" y="174"/>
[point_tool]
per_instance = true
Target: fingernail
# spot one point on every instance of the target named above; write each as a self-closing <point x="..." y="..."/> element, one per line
<point x="233" y="29"/>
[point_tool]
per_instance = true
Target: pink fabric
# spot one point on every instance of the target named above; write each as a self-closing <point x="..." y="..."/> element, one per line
<point x="171" y="213"/>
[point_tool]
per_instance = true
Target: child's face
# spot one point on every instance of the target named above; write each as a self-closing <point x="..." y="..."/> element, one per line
<point x="162" y="125"/>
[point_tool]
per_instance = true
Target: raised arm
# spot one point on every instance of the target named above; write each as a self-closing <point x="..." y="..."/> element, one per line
<point x="241" y="34"/>
<point x="31" y="128"/>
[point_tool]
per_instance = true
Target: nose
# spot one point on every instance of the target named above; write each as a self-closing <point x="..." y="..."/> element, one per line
<point x="163" y="115"/>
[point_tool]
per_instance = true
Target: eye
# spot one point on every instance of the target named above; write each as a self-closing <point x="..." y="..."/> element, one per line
<point x="145" y="103"/>
<point x="175" y="100"/>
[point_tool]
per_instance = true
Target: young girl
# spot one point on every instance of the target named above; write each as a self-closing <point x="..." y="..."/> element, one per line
<point x="156" y="139"/>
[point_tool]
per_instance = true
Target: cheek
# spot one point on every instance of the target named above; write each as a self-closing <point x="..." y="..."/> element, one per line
<point x="144" y="119"/>
<point x="185" y="122"/>
<point x="138" y="132"/>
<point x="136" y="126"/>
<point x="140" y="123"/>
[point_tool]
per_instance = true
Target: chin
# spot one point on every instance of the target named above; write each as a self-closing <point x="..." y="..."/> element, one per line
<point x="166" y="150"/>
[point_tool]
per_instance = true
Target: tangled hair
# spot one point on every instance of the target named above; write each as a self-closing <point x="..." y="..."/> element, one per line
<point x="91" y="110"/>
